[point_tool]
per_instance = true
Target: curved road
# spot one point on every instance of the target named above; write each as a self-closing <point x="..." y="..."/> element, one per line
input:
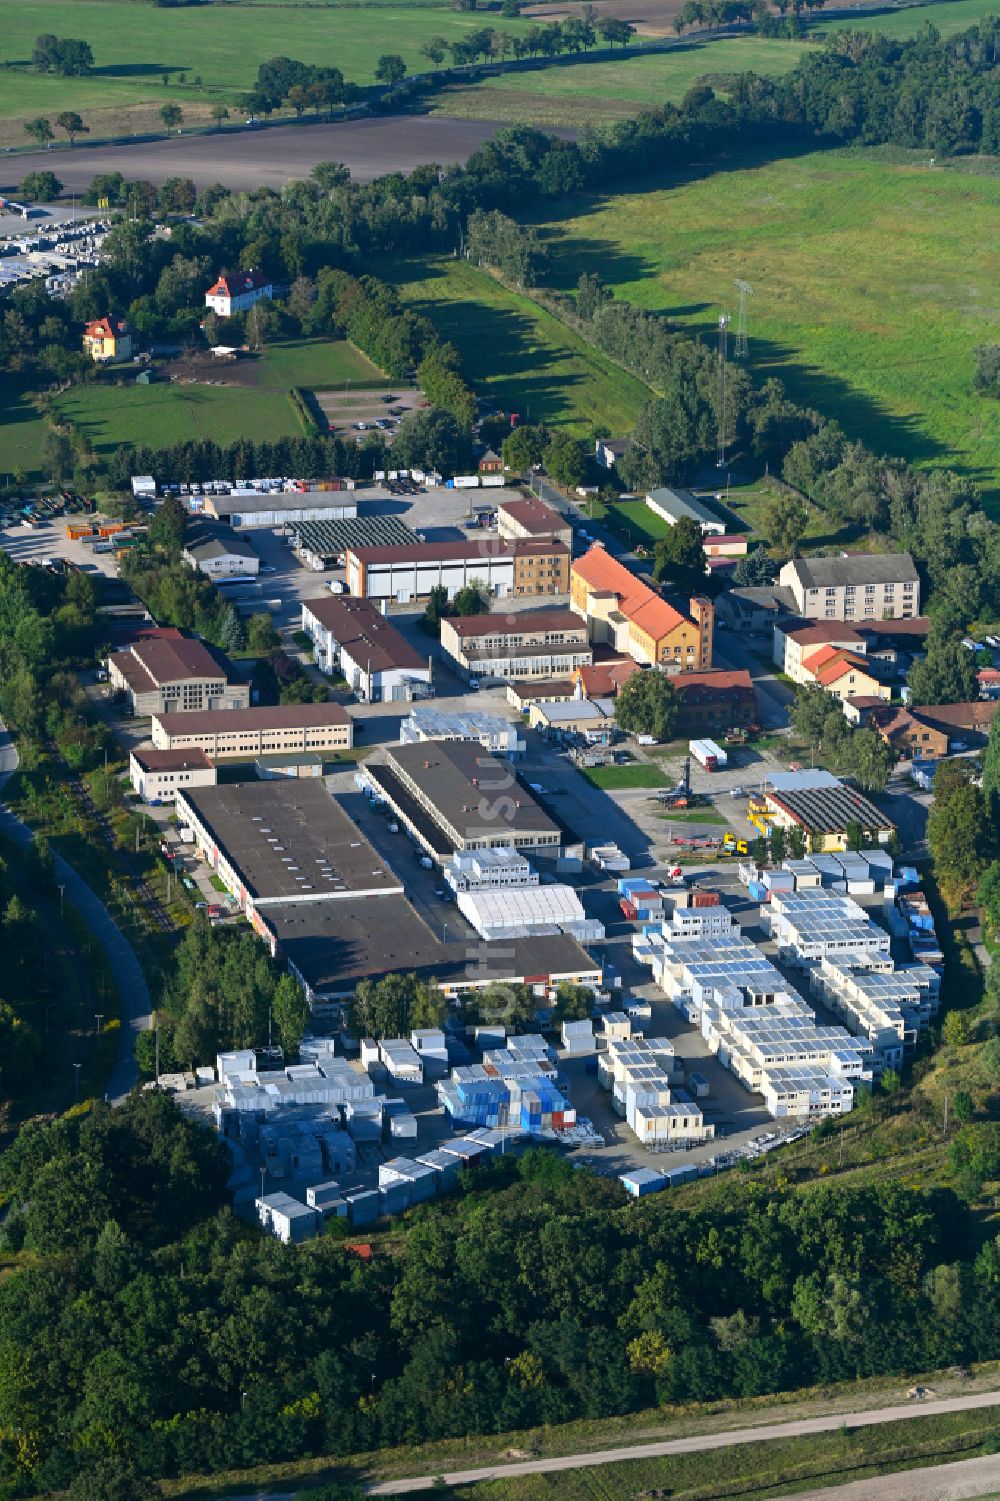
<point x="706" y="1442"/>
<point x="131" y="983"/>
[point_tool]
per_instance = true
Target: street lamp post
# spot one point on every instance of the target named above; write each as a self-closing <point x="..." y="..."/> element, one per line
<point x="77" y="1066"/>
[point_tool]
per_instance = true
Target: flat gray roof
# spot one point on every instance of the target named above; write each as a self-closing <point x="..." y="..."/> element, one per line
<point x="474" y="791"/>
<point x="333" y="945"/>
<point x="291" y="839"/>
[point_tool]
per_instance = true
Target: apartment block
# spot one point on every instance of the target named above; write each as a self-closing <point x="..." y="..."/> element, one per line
<point x="854" y="586"/>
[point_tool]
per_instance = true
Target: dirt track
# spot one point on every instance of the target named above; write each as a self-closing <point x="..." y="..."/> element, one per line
<point x="270" y="157"/>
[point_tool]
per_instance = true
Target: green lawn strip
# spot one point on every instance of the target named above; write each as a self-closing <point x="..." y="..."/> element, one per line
<point x="610" y="90"/>
<point x="695" y="815"/>
<point x="870" y="271"/>
<point x="636" y="774"/>
<point x="517" y="353"/>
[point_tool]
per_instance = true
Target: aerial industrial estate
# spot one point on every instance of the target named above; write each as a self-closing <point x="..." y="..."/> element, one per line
<point x="500" y="750"/>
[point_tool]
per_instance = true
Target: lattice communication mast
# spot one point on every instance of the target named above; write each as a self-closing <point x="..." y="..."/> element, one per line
<point x="723" y="393"/>
<point x="742" y="342"/>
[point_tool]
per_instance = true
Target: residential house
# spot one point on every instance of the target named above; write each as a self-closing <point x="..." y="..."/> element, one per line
<point x="844" y="674"/>
<point x="854" y="586"/>
<point x="237" y="292"/>
<point x="491" y="463"/>
<point x="754" y="610"/>
<point x="220" y="553"/>
<point x="623" y="611"/>
<point x="605" y="679"/>
<point x="107" y="339"/>
<point x="795" y="639"/>
<point x="607" y="451"/>
<point x="927" y="731"/>
<point x="175" y="676"/>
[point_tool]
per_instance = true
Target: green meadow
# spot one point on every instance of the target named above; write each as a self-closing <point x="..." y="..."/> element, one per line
<point x="874" y="280"/>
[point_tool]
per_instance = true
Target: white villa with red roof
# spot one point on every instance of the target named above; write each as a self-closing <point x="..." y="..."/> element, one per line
<point x="237" y="292"/>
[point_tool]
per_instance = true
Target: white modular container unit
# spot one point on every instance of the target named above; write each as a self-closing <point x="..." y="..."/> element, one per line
<point x="401" y="1060"/>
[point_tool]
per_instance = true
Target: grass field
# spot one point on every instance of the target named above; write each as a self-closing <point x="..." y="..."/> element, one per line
<point x="613" y="90"/>
<point x="21" y="431"/>
<point x="159" y="415"/>
<point x="516" y="353"/>
<point x="221" y="44"/>
<point x="874" y="281"/>
<point x="256" y="405"/>
<point x="948" y="16"/>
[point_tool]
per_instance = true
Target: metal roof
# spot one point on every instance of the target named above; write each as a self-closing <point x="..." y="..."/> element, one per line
<point x="329" y="539"/>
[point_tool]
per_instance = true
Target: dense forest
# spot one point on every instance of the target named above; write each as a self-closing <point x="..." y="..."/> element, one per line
<point x="147" y="1323"/>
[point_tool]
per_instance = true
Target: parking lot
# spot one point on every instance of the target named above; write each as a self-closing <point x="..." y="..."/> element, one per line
<point x="39" y="544"/>
<point x="358" y="412"/>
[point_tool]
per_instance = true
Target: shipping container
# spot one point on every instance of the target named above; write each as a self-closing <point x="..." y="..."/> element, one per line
<point x="704" y="899"/>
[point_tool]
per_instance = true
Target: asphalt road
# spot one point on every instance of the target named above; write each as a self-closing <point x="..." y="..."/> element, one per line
<point x="136" y="1004"/>
<point x="707" y="1442"/>
<point x="273" y="156"/>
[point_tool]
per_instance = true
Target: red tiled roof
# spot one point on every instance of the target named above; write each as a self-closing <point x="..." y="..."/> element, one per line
<point x="824" y="631"/>
<point x="235" y="284"/>
<point x="702" y="687"/>
<point x="836" y="668"/>
<point x="720" y="539"/>
<point x="636" y="600"/>
<point x="106" y="328"/>
<point x="605" y="679"/>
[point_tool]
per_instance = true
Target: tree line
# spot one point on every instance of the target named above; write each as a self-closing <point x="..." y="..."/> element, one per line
<point x="147" y="1328"/>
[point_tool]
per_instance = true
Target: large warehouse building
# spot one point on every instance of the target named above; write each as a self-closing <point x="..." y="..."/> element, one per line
<point x="405" y="574"/>
<point x="328" y="905"/>
<point x="254" y="508"/>
<point x="452" y="795"/>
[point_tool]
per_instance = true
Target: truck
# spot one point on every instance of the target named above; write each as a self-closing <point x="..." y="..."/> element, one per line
<point x="710" y="757"/>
